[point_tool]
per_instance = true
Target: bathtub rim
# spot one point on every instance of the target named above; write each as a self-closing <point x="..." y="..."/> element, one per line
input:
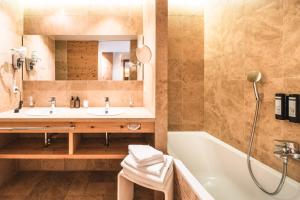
<point x="189" y="177"/>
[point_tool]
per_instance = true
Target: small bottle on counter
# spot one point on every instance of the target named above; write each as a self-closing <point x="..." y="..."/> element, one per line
<point x="85" y="103"/>
<point x="72" y="102"/>
<point x="131" y="103"/>
<point x="31" y="102"/>
<point x="77" y="102"/>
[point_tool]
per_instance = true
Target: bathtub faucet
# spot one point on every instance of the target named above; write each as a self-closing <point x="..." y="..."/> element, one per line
<point x="285" y="149"/>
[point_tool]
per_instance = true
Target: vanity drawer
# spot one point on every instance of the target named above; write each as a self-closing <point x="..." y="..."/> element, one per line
<point x="115" y="127"/>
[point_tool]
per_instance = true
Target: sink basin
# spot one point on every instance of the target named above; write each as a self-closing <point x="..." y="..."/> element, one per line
<point x="41" y="112"/>
<point x="101" y="111"/>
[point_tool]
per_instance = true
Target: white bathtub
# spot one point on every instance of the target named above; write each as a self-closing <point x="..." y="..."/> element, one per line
<point x="216" y="170"/>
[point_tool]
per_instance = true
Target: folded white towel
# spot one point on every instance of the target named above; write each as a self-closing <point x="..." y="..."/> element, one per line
<point x="146" y="181"/>
<point x="145" y="154"/>
<point x="155" y="169"/>
<point x="148" y="162"/>
<point x="151" y="178"/>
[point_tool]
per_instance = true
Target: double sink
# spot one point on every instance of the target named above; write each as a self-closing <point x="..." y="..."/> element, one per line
<point x="90" y="111"/>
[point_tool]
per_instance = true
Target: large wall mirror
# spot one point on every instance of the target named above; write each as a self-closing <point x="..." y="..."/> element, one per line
<point x="78" y="57"/>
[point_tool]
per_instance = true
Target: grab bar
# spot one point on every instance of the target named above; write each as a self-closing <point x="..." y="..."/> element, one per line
<point x="35" y="128"/>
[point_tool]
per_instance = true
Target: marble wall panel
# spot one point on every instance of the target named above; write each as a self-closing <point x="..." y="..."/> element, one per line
<point x="241" y="36"/>
<point x="185" y="66"/>
<point x="119" y="92"/>
<point x="161" y="75"/>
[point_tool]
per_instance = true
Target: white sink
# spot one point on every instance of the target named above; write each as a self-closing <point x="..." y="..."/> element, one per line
<point x="101" y="111"/>
<point x="41" y="112"/>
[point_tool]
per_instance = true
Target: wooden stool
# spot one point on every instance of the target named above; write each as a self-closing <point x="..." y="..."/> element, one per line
<point x="126" y="187"/>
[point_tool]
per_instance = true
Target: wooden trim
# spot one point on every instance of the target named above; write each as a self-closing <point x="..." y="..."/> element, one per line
<point x="74" y="140"/>
<point x="113" y="127"/>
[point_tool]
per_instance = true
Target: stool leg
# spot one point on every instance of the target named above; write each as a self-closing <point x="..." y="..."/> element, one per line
<point x="125" y="188"/>
<point x="169" y="191"/>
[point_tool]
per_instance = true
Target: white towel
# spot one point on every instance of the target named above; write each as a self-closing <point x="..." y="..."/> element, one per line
<point x="155" y="169"/>
<point x="151" y="178"/>
<point x="145" y="181"/>
<point x="145" y="154"/>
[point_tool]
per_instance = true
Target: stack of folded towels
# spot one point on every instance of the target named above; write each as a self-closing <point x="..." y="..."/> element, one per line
<point x="147" y="165"/>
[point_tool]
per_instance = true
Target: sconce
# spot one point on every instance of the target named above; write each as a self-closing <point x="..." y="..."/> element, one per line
<point x="31" y="62"/>
<point x="18" y="57"/>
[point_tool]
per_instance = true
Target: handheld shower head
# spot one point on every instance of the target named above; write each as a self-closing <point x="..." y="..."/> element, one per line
<point x="254" y="77"/>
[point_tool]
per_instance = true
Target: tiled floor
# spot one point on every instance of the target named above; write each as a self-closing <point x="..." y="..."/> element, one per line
<point x="66" y="186"/>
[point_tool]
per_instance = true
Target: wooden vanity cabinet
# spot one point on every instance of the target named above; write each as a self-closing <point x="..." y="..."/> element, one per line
<point x="73" y="144"/>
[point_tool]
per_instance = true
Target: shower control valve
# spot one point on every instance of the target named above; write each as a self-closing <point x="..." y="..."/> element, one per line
<point x="286" y="148"/>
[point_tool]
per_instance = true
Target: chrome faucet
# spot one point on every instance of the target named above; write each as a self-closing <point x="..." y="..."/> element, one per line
<point x="106" y="105"/>
<point x="53" y="104"/>
<point x="285" y="149"/>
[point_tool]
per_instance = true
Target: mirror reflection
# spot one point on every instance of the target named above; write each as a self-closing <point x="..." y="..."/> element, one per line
<point x="82" y="58"/>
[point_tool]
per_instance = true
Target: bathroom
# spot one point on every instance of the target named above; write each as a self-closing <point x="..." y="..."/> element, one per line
<point x="195" y="79"/>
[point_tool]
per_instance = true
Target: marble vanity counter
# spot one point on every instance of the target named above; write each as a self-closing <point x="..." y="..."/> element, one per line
<point x="80" y="114"/>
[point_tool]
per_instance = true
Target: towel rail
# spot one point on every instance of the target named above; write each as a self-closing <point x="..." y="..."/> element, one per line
<point x="35" y="128"/>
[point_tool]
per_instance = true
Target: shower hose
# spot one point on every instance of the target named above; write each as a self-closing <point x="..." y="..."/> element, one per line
<point x="285" y="159"/>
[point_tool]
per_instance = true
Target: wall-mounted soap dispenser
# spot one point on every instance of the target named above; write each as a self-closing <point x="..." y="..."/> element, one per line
<point x="281" y="106"/>
<point x="294" y="108"/>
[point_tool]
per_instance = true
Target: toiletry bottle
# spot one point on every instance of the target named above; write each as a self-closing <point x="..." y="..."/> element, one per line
<point x="281" y="108"/>
<point x="77" y="102"/>
<point x="31" y="102"/>
<point x="72" y="102"/>
<point x="294" y="108"/>
<point x="131" y="101"/>
<point x="85" y="103"/>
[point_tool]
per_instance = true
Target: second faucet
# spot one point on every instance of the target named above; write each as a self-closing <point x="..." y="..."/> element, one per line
<point x="106" y="104"/>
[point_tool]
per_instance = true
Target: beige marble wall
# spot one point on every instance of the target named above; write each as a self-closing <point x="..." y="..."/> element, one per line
<point x="81" y="18"/>
<point x="244" y="35"/>
<point x="161" y="75"/>
<point x="45" y="48"/>
<point x="119" y="92"/>
<point x="11" y="37"/>
<point x="186" y="66"/>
